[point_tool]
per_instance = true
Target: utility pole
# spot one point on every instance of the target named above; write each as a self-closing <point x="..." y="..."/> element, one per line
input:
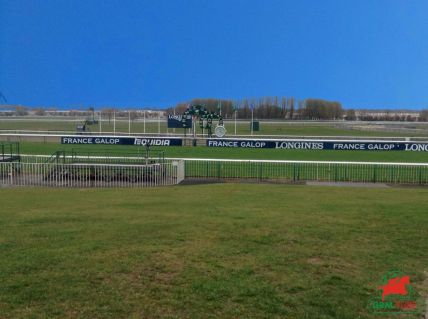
<point x="252" y="119"/>
<point x="236" y="111"/>
<point x="129" y="122"/>
<point x="114" y="122"/>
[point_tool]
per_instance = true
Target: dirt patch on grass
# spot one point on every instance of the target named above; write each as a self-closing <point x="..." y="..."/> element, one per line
<point x="315" y="261"/>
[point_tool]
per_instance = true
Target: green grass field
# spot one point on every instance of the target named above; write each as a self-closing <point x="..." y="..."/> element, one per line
<point x="212" y="251"/>
<point x="236" y="153"/>
<point x="266" y="128"/>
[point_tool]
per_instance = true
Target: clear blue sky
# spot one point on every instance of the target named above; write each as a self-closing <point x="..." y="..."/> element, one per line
<point x="365" y="54"/>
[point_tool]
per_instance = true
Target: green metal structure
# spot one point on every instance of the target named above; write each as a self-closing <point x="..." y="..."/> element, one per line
<point x="10" y="159"/>
<point x="204" y="116"/>
<point x="142" y="156"/>
<point x="85" y="125"/>
<point x="104" y="165"/>
<point x="9" y="152"/>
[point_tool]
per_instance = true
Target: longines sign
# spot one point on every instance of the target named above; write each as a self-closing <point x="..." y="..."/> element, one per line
<point x="321" y="145"/>
<point x="110" y="140"/>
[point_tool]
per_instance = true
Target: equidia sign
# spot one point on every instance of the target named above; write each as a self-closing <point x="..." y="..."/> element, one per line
<point x="109" y="140"/>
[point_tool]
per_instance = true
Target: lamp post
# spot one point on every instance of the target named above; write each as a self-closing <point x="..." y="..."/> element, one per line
<point x="252" y="119"/>
<point x="129" y="122"/>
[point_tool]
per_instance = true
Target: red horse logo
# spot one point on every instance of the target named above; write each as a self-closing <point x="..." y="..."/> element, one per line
<point x="395" y="286"/>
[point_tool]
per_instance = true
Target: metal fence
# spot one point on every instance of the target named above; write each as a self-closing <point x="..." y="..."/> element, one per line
<point x="277" y="170"/>
<point x="85" y="159"/>
<point x="403" y="173"/>
<point x="90" y="175"/>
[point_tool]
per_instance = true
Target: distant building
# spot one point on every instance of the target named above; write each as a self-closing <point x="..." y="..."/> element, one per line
<point x="387" y="115"/>
<point x="7" y="110"/>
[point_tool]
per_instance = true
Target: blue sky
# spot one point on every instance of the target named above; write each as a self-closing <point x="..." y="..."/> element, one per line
<point x="365" y="54"/>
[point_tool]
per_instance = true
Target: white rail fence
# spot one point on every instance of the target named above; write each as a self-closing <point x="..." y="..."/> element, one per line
<point x="90" y="175"/>
<point x="401" y="173"/>
<point x="86" y="159"/>
<point x="199" y="168"/>
<point x="45" y="136"/>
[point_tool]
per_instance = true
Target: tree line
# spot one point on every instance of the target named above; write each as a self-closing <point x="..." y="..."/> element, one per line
<point x="268" y="108"/>
<point x="281" y="108"/>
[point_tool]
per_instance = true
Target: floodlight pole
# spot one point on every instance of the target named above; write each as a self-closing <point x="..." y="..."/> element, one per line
<point x="235" y="120"/>
<point x="114" y="122"/>
<point x="129" y="122"/>
<point x="144" y="121"/>
<point x="252" y="119"/>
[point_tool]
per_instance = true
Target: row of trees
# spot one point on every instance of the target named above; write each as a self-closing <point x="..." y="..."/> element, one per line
<point x="317" y="109"/>
<point x="269" y="108"/>
<point x="261" y="108"/>
<point x="423" y="116"/>
<point x="291" y="108"/>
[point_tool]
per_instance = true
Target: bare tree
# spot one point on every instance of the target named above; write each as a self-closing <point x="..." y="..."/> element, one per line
<point x="350" y="115"/>
<point x="423" y="116"/>
<point x="317" y="109"/>
<point x="133" y="115"/>
<point x="291" y="106"/>
<point x="109" y="113"/>
<point x="39" y="111"/>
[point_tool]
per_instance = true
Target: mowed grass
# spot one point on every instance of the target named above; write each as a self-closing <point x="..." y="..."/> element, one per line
<point x="211" y="251"/>
<point x="266" y="128"/>
<point x="232" y="153"/>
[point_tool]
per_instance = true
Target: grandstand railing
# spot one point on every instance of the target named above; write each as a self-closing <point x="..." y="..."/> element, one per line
<point x="90" y="175"/>
<point x="284" y="170"/>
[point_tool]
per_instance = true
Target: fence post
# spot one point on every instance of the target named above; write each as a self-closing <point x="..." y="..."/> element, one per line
<point x="296" y="173"/>
<point x="218" y="169"/>
<point x="11" y="174"/>
<point x="374" y="173"/>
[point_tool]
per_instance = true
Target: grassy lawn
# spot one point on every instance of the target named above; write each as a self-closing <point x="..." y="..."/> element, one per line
<point x="266" y="128"/>
<point x="237" y="153"/>
<point x="211" y="251"/>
